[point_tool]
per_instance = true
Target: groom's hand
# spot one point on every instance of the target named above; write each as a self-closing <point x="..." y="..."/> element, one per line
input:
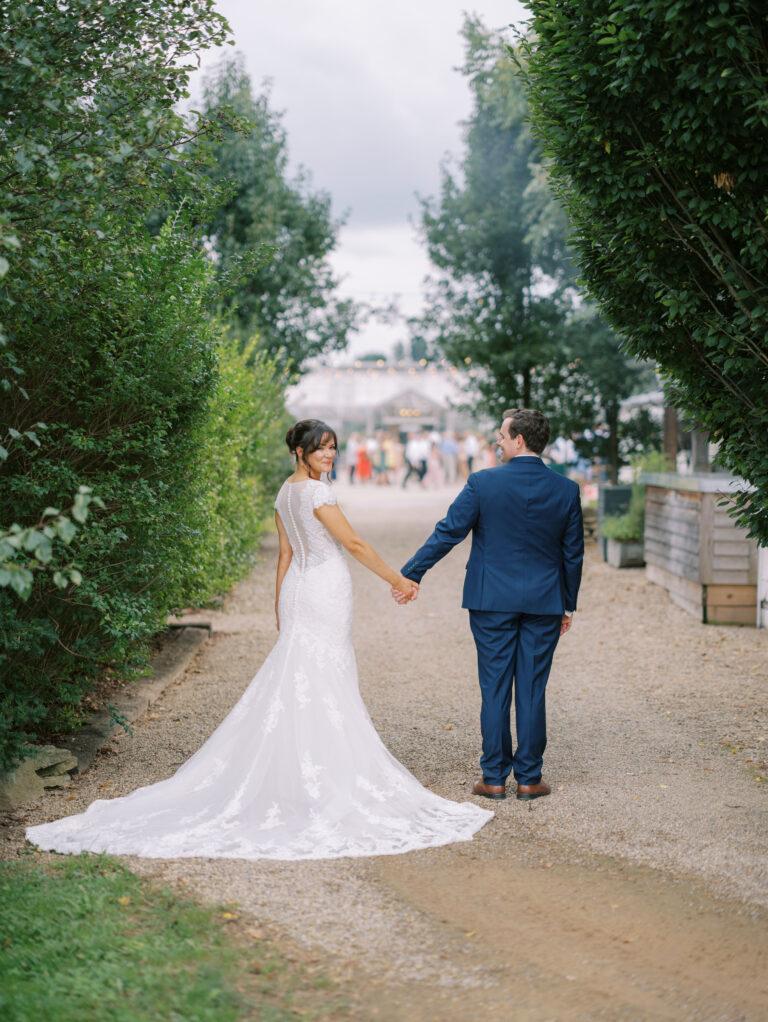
<point x="406" y="593"/>
<point x="565" y="624"/>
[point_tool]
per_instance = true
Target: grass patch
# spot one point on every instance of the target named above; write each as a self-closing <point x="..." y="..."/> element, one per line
<point x="85" y="939"/>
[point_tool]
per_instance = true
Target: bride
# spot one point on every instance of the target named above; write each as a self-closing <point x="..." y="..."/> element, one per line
<point x="296" y="770"/>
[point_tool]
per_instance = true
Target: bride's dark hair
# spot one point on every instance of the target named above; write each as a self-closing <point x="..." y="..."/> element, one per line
<point x="309" y="434"/>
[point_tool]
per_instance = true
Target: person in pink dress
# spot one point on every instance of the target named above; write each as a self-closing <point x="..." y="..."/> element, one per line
<point x="435" y="477"/>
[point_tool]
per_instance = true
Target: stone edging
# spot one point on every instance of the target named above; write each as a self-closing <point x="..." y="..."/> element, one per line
<point x="168" y="664"/>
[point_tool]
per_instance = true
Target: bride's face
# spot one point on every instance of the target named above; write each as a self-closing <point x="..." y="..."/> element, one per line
<point x="322" y="459"/>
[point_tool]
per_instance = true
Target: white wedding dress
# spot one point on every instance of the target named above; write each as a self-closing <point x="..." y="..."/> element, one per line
<point x="296" y="770"/>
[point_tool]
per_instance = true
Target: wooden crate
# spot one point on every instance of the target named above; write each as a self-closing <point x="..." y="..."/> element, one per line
<point x="693" y="548"/>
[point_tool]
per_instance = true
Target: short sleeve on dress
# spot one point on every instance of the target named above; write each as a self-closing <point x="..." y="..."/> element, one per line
<point x="322" y="493"/>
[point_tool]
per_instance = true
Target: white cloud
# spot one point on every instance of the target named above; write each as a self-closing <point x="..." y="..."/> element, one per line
<point x="378" y="264"/>
<point x="372" y="102"/>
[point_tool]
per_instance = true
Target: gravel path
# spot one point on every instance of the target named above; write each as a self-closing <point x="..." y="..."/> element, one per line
<point x="655" y="835"/>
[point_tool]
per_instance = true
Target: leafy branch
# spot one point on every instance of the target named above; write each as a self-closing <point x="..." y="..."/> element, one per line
<point x="27" y="550"/>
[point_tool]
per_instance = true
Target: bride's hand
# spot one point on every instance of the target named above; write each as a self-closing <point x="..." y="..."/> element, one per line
<point x="405" y="590"/>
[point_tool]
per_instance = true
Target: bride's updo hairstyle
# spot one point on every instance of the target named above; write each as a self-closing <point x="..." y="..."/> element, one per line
<point x="309" y="435"/>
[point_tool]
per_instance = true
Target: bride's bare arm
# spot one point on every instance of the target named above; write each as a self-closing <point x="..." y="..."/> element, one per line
<point x="283" y="563"/>
<point x="335" y="521"/>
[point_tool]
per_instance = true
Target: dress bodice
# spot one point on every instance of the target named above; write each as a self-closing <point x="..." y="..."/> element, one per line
<point x="310" y="540"/>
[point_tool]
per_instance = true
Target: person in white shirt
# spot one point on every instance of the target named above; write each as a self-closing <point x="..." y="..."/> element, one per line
<point x="470" y="448"/>
<point x="350" y="455"/>
<point x="416" y="455"/>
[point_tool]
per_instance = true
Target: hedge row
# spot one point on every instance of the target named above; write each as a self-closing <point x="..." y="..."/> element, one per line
<point x="148" y="400"/>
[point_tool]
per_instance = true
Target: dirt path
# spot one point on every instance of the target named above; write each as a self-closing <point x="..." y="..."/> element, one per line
<point x="638" y="890"/>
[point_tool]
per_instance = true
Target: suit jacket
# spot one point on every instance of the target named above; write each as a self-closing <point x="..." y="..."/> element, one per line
<point x="527" y="539"/>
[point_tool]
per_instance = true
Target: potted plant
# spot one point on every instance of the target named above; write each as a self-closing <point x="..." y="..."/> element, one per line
<point x="624" y="533"/>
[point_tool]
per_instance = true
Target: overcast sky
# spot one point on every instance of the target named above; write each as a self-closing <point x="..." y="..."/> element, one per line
<point x="371" y="102"/>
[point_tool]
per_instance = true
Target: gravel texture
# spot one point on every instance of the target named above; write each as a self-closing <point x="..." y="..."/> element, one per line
<point x="656" y="754"/>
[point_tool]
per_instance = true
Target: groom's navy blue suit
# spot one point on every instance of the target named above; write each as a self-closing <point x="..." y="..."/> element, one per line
<point x="523" y="573"/>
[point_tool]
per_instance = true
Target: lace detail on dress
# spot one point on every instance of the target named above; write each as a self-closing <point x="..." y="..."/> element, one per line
<point x="322" y="494"/>
<point x="296" y="770"/>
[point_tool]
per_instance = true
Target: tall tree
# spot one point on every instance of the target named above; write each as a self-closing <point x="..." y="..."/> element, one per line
<point x="506" y="303"/>
<point x="290" y="299"/>
<point x="597" y="376"/>
<point x="654" y="118"/>
<point x="485" y="308"/>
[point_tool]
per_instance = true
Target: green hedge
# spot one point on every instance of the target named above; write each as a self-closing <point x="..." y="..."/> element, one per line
<point x="241" y="461"/>
<point x="653" y="118"/>
<point x="150" y="404"/>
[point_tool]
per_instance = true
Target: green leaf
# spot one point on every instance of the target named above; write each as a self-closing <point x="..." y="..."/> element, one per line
<point x="66" y="530"/>
<point x="33" y="539"/>
<point x="44" y="551"/>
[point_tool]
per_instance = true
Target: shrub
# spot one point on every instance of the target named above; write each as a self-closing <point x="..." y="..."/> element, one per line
<point x="149" y="404"/>
<point x="629" y="527"/>
<point x="118" y="358"/>
<point x="240" y="463"/>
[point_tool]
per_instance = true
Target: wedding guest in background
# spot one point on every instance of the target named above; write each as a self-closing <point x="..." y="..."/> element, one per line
<point x="416" y="455"/>
<point x="350" y="455"/>
<point x="372" y="450"/>
<point x="423" y="454"/>
<point x="471" y="448"/>
<point x="386" y="459"/>
<point x="380" y="459"/>
<point x="450" y="452"/>
<point x="396" y="459"/>
<point x="364" y="467"/>
<point x="435" y="476"/>
<point x="487" y="457"/>
<point x="461" y="456"/>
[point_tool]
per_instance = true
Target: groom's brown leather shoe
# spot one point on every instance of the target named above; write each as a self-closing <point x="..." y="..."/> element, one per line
<point x="489" y="790"/>
<point x="528" y="791"/>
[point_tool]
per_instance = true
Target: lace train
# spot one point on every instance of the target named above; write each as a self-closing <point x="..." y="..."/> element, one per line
<point x="296" y="770"/>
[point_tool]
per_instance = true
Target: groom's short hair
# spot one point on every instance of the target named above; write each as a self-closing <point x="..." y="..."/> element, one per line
<point x="531" y="424"/>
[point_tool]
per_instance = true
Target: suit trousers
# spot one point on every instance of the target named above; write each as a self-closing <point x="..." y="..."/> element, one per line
<point x="514" y="651"/>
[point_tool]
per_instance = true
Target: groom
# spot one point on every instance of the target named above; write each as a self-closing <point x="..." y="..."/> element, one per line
<point x="521" y="585"/>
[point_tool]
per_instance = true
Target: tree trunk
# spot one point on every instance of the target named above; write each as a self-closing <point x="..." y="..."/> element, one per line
<point x="700" y="451"/>
<point x="612" y="416"/>
<point x="527" y="387"/>
<point x="671" y="436"/>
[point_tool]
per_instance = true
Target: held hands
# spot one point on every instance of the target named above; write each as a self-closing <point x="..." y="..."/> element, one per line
<point x="404" y="591"/>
